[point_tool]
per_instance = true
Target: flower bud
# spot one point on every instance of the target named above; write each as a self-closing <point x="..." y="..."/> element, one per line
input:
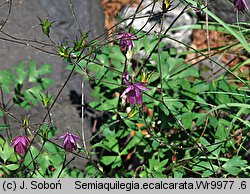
<point x="20" y="144"/>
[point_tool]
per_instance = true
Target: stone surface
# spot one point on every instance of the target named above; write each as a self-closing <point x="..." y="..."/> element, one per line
<point x="225" y="10"/>
<point x="23" y="23"/>
<point x="154" y="25"/>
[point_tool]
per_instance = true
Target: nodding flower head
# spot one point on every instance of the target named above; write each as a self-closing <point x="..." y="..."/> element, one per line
<point x="240" y="5"/>
<point x="69" y="141"/>
<point x="20" y="144"/>
<point x="133" y="92"/>
<point x="126" y="41"/>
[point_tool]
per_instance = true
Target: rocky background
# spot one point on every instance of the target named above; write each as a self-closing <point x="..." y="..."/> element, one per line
<point x="23" y="23"/>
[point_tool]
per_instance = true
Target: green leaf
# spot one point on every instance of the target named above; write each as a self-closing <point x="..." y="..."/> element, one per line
<point x="200" y="86"/>
<point x="146" y="43"/>
<point x="100" y="144"/>
<point x="46" y="25"/>
<point x="108" y="104"/>
<point x="155" y="144"/>
<point x="56" y="159"/>
<point x="202" y="25"/>
<point x="116" y="56"/>
<point x="117" y="162"/>
<point x="179" y="172"/>
<point x="21" y="73"/>
<point x="12" y="167"/>
<point x="94" y="104"/>
<point x="32" y="95"/>
<point x="187" y="119"/>
<point x="234" y="165"/>
<point x="207" y="173"/>
<point x="46" y="82"/>
<point x="183" y="73"/>
<point x="107" y="160"/>
<point x="75" y="173"/>
<point x="33" y="73"/>
<point x="91" y="171"/>
<point x="48" y="132"/>
<point x="51" y="148"/>
<point x="28" y="161"/>
<point x="161" y="166"/>
<point x="152" y="162"/>
<point x="6" y="79"/>
<point x="213" y="121"/>
<point x="97" y="70"/>
<point x="132" y="143"/>
<point x="228" y="105"/>
<point x="164" y="109"/>
<point x="63" y="173"/>
<point x="6" y="152"/>
<point x="222" y="133"/>
<point x="214" y="149"/>
<point x="205" y="167"/>
<point x="45" y="69"/>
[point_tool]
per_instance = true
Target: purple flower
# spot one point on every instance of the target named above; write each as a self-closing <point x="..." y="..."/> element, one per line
<point x="126" y="41"/>
<point x="241" y="5"/>
<point x="20" y="144"/>
<point x="133" y="92"/>
<point x="69" y="141"/>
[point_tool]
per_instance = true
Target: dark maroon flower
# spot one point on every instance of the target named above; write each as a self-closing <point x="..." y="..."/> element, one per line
<point x="200" y="15"/>
<point x="69" y="141"/>
<point x="126" y="41"/>
<point x="20" y="144"/>
<point x="241" y="5"/>
<point x="133" y="92"/>
<point x="51" y="168"/>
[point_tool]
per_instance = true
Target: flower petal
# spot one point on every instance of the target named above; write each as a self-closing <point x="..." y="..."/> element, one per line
<point x="130" y="88"/>
<point x="24" y="141"/>
<point x="127" y="83"/>
<point x="71" y="139"/>
<point x="15" y="141"/>
<point x="76" y="136"/>
<point x="131" y="100"/>
<point x="19" y="149"/>
<point x="141" y="86"/>
<point x="241" y="5"/>
<point x="66" y="140"/>
<point x="138" y="96"/>
<point x="20" y="143"/>
<point x="120" y="35"/>
<point x="68" y="147"/>
<point x="125" y="77"/>
<point x="62" y="136"/>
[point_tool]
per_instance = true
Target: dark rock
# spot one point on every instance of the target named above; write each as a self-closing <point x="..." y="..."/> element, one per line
<point x="23" y="23"/>
<point x="224" y="9"/>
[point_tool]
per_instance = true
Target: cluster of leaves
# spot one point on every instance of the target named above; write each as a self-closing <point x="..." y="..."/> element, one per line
<point x="186" y="126"/>
<point x="27" y="82"/>
<point x="46" y="161"/>
<point x="44" y="158"/>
